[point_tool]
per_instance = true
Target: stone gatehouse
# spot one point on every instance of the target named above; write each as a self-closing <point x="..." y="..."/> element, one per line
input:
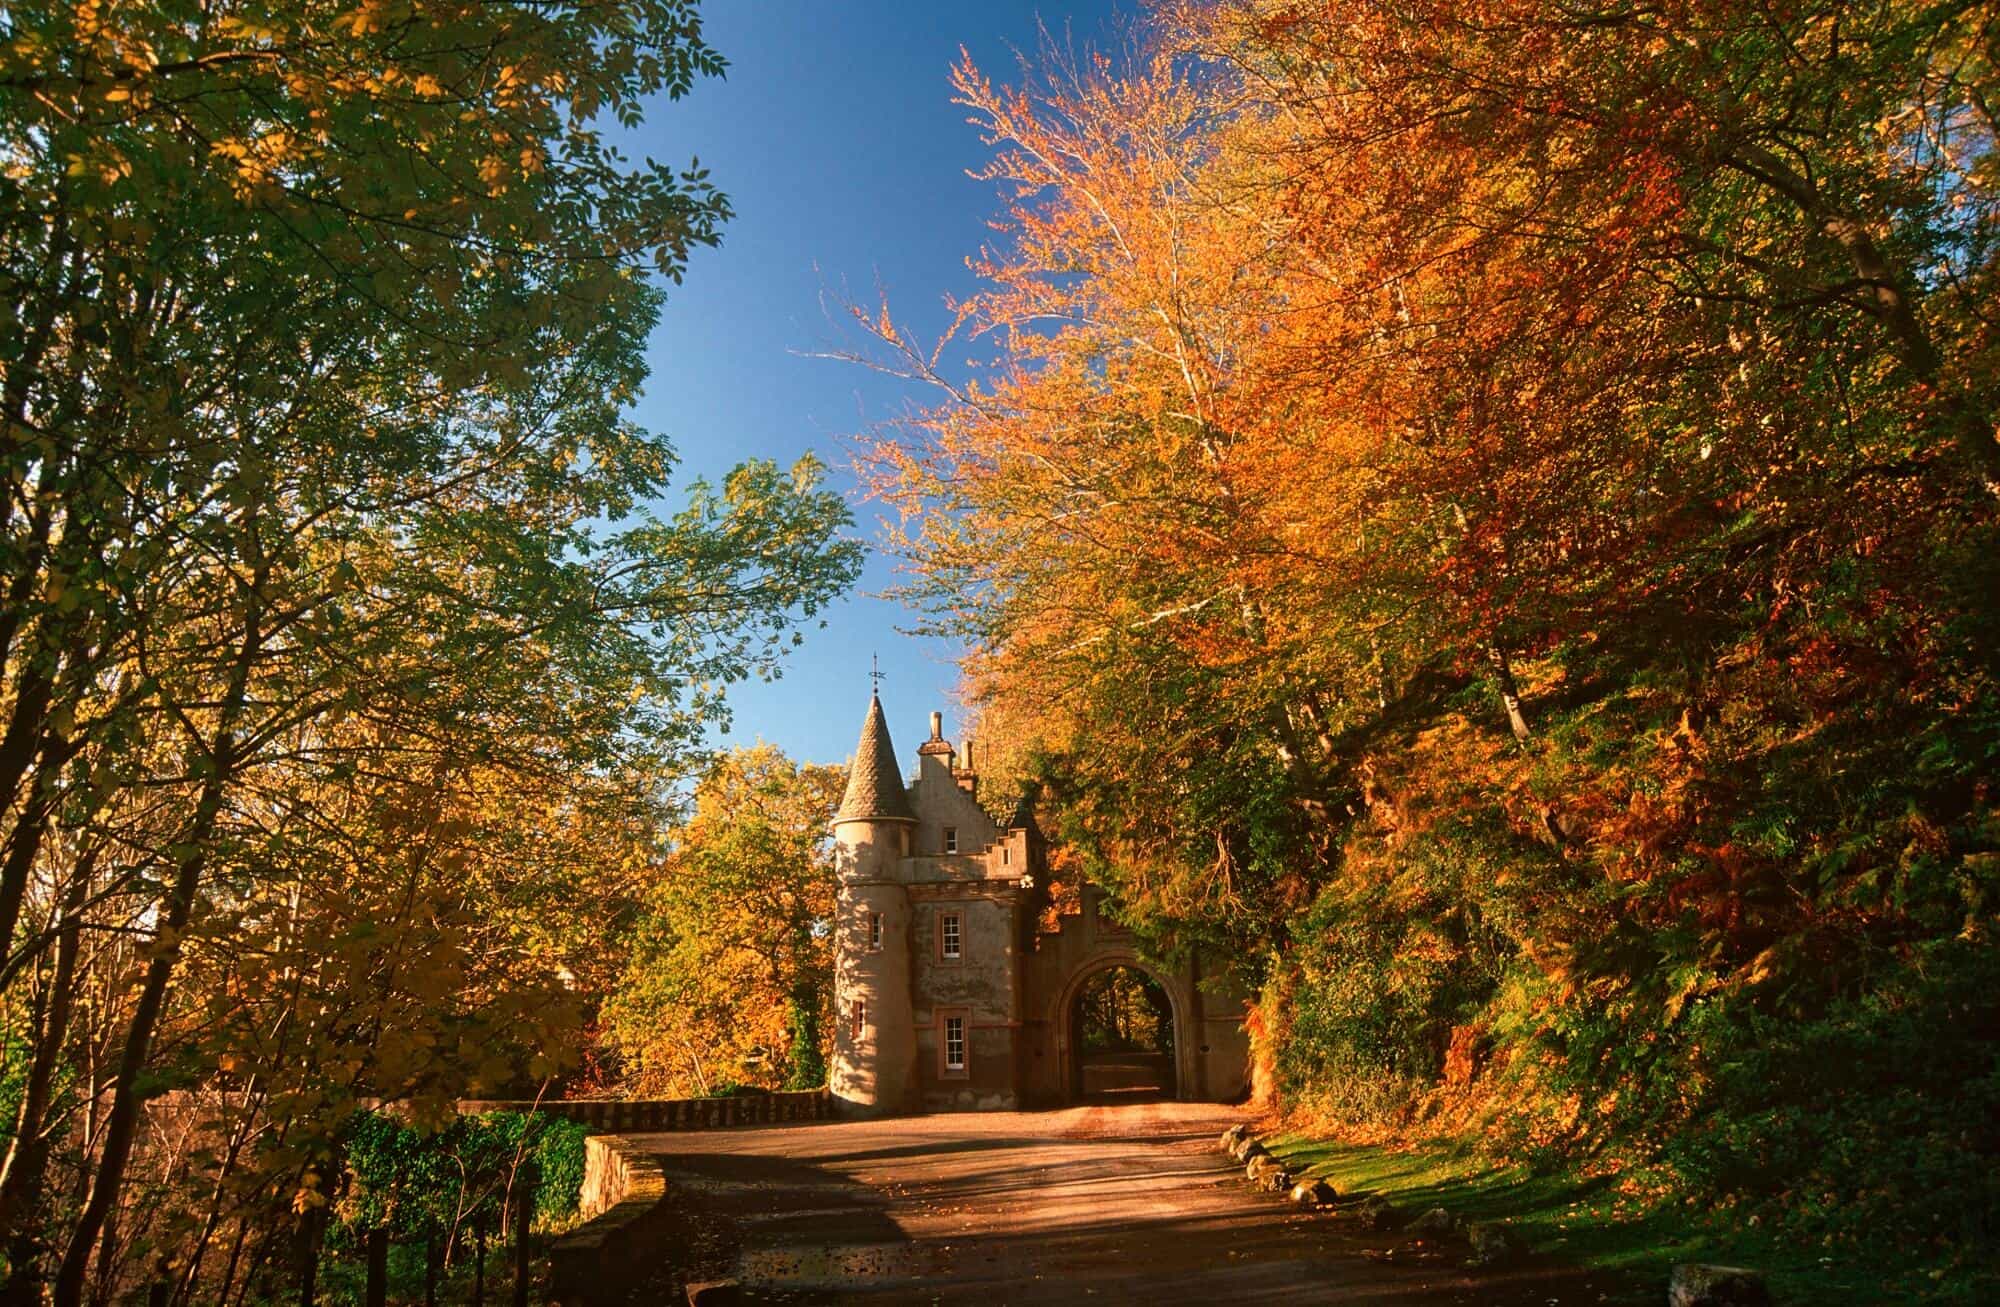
<point x="948" y="997"/>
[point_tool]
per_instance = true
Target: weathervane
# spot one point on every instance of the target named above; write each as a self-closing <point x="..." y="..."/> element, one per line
<point x="875" y="672"/>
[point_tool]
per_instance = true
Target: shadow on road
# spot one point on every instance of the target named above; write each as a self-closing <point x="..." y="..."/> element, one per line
<point x="1129" y="1204"/>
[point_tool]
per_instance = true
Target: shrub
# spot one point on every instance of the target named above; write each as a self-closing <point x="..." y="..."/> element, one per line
<point x="417" y="1182"/>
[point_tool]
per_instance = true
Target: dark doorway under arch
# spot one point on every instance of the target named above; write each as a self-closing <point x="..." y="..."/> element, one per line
<point x="1122" y="1026"/>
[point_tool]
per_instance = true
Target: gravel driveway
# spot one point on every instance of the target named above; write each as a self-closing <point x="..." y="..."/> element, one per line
<point x="1125" y="1204"/>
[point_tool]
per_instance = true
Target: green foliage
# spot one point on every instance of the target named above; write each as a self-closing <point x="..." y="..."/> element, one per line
<point x="14" y="1058"/>
<point x="1123" y="1010"/>
<point x="1811" y="1123"/>
<point x="1383" y="968"/>
<point x="415" y="1182"/>
<point x="806" y="1040"/>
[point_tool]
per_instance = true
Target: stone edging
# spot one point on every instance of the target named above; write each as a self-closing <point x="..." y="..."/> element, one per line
<point x="623" y="1186"/>
<point x="621" y="1114"/>
<point x="1492" y="1243"/>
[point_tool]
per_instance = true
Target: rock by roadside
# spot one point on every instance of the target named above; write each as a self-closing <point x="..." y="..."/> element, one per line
<point x="1312" y="1192"/>
<point x="1259" y="1166"/>
<point x="1695" y="1284"/>
<point x="1493" y="1244"/>
<point x="1437" y="1223"/>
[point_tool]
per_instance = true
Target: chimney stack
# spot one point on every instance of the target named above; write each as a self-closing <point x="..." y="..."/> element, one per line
<point x="968" y="780"/>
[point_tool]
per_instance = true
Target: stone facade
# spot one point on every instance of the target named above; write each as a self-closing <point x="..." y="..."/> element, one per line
<point x="946" y="995"/>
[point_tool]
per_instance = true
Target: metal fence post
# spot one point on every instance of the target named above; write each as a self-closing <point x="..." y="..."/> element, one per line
<point x="524" y="1215"/>
<point x="378" y="1267"/>
<point x="479" y="1262"/>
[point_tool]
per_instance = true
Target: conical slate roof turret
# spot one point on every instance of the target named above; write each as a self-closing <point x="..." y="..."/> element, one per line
<point x="875" y="784"/>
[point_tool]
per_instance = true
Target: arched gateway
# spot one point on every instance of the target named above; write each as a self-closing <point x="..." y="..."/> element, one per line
<point x="1121" y="1034"/>
<point x="947" y="996"/>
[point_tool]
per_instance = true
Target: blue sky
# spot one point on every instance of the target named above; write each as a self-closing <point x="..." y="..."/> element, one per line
<point x="834" y="137"/>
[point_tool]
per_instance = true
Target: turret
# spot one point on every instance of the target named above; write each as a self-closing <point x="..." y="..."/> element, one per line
<point x="874" y="1044"/>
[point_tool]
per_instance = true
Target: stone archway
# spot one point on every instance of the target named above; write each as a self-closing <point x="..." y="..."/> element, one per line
<point x="1062" y="1020"/>
<point x="1121" y="1038"/>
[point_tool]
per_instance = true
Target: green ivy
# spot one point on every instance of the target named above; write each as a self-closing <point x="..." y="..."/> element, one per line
<point x="416" y="1182"/>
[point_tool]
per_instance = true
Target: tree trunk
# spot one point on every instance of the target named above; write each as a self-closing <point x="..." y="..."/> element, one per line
<point x="808" y="1066"/>
<point x="238" y="1137"/>
<point x="122" y="1124"/>
<point x="27" y="1155"/>
<point x="1510" y="694"/>
<point x="24" y="841"/>
<point x="524" y="1214"/>
<point x="308" y="1257"/>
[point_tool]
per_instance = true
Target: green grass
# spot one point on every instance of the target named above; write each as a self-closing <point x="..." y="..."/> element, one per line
<point x="1590" y="1223"/>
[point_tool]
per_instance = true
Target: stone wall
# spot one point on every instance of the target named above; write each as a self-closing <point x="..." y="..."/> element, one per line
<point x="621" y="1189"/>
<point x="623" y="1186"/>
<point x="1211" y="1047"/>
<point x="982" y="986"/>
<point x="614" y="1173"/>
<point x="616" y="1115"/>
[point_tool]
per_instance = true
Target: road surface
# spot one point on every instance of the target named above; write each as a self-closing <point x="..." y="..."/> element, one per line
<point x="1120" y="1204"/>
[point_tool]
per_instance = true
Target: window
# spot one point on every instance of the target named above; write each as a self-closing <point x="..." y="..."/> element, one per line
<point x="951" y="839"/>
<point x="857" y="1018"/>
<point x="953" y="1024"/>
<point x="874" y="932"/>
<point x="950" y="936"/>
<point x="1006" y="855"/>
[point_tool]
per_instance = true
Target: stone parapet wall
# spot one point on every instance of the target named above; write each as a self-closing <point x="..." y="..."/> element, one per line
<point x="624" y="1187"/>
<point x="614" y="1173"/>
<point x="615" y="1116"/>
<point x="621" y="1188"/>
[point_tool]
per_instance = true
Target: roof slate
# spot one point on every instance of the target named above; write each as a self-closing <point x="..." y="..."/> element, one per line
<point x="874" y="783"/>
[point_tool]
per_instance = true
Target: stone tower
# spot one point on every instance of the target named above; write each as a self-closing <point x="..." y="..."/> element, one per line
<point x="875" y="1043"/>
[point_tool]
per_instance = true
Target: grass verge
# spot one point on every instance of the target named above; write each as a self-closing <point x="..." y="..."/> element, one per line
<point x="1595" y="1224"/>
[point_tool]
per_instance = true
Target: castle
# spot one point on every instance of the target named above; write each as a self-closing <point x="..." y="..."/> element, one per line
<point x="948" y="996"/>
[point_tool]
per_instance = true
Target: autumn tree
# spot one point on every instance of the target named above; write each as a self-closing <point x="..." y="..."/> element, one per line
<point x="1489" y="509"/>
<point x="729" y="971"/>
<point x="325" y="536"/>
